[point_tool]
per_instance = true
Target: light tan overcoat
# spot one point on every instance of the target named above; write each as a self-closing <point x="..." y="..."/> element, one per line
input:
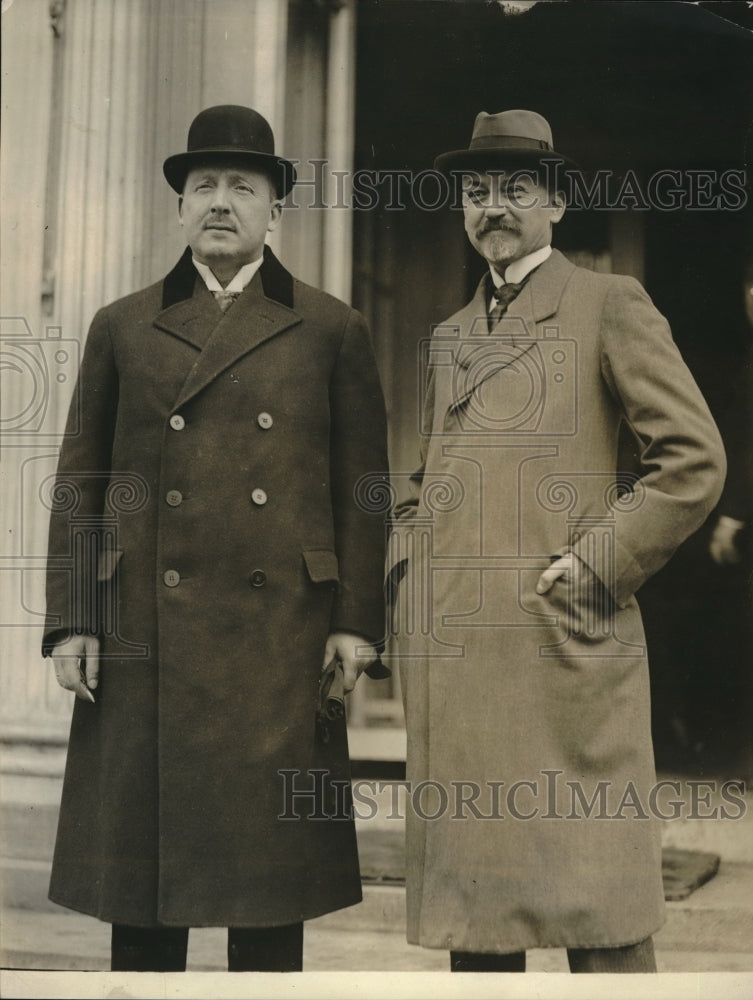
<point x="527" y="715"/>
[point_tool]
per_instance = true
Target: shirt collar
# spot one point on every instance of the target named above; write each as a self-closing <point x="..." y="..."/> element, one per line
<point x="520" y="268"/>
<point x="238" y="283"/>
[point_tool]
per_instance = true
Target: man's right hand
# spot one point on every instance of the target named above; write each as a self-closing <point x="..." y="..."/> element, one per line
<point x="76" y="664"/>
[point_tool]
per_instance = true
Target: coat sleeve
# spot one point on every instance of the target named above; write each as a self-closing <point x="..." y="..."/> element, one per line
<point x="360" y="483"/>
<point x="77" y="500"/>
<point x="405" y="510"/>
<point x="737" y="433"/>
<point x="681" y="452"/>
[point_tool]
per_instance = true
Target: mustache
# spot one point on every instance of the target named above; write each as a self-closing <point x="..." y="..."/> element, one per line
<point x="218" y="220"/>
<point x="496" y="227"/>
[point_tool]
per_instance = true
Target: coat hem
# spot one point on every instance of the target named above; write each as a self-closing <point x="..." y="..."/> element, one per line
<point x="415" y="939"/>
<point x="308" y="913"/>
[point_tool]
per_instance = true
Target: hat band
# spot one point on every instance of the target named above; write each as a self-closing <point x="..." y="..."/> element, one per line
<point x="508" y="142"/>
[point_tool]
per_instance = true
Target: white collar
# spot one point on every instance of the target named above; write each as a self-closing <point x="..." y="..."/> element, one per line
<point x="237" y="284"/>
<point x="520" y="268"/>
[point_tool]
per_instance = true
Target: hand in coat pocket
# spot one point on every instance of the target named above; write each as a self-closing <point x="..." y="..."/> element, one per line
<point x="589" y="606"/>
<point x="562" y="567"/>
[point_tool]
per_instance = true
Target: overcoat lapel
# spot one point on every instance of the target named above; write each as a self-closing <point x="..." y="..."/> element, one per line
<point x="180" y="283"/>
<point x="223" y="338"/>
<point x="547" y="285"/>
<point x="193" y="319"/>
<point x="480" y="355"/>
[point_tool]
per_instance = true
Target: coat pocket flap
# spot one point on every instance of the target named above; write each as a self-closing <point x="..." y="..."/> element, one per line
<point x="107" y="563"/>
<point x="322" y="565"/>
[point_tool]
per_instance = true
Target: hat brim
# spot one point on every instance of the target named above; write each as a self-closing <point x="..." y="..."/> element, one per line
<point x="176" y="168"/>
<point x="460" y="160"/>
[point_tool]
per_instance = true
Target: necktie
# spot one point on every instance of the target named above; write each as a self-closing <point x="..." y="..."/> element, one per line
<point x="502" y="298"/>
<point x="225" y="299"/>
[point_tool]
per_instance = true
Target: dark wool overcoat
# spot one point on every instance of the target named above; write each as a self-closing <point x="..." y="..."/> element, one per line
<point x="528" y="715"/>
<point x="205" y="524"/>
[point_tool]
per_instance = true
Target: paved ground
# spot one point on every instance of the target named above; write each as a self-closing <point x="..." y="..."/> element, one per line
<point x="72" y="942"/>
<point x="710" y="931"/>
<point x="704" y="951"/>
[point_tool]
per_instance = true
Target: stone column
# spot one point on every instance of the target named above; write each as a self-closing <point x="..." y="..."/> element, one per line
<point x="74" y="225"/>
<point x="340" y="142"/>
<point x="74" y="211"/>
<point x="26" y="380"/>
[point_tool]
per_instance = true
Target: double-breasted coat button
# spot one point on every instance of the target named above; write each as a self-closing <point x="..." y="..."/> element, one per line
<point x="174" y="498"/>
<point x="259" y="497"/>
<point x="265" y="421"/>
<point x="171" y="578"/>
<point x="258" y="578"/>
<point x="177" y="422"/>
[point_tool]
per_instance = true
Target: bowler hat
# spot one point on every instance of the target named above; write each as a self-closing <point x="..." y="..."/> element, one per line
<point x="230" y="131"/>
<point x="515" y="137"/>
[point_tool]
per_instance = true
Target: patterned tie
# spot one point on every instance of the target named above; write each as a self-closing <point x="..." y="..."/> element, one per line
<point x="502" y="298"/>
<point x="225" y="299"/>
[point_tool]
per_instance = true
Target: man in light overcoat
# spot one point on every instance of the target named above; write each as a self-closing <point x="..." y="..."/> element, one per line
<point x="208" y="556"/>
<point x="517" y="560"/>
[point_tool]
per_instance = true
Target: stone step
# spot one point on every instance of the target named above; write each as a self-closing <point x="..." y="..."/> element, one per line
<point x="71" y="942"/>
<point x="718" y="916"/>
<point x="716" y="919"/>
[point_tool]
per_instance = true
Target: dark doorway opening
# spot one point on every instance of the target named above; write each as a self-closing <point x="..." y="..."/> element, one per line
<point x="624" y="89"/>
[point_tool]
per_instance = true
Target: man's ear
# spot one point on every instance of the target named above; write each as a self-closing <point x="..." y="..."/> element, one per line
<point x="558" y="205"/>
<point x="180" y="209"/>
<point x="275" y="214"/>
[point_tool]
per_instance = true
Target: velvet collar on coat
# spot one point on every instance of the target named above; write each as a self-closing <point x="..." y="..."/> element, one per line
<point x="276" y="281"/>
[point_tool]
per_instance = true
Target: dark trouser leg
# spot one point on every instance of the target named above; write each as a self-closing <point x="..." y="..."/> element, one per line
<point x="148" y="949"/>
<point x="476" y="961"/>
<point x="633" y="958"/>
<point x="265" y="949"/>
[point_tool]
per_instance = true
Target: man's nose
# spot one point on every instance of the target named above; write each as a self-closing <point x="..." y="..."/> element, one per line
<point x="495" y="204"/>
<point x="220" y="199"/>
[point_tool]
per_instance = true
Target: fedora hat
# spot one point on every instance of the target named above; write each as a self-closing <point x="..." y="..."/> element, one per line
<point x="514" y="137"/>
<point x="230" y="131"/>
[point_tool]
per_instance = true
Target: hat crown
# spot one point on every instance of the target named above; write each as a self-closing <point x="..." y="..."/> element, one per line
<point x="518" y="137"/>
<point x="230" y="131"/>
<point x="516" y="124"/>
<point x="228" y="127"/>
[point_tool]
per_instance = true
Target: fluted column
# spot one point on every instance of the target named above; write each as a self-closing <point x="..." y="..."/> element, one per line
<point x="340" y="142"/>
<point x="25" y="387"/>
<point x="175" y="53"/>
<point x="90" y="187"/>
<point x="243" y="62"/>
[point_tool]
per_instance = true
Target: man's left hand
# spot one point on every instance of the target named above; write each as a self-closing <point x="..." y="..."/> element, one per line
<point x="560" y="567"/>
<point x="353" y="651"/>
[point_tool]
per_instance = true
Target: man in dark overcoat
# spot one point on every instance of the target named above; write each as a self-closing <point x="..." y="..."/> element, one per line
<point x="534" y="819"/>
<point x="208" y="556"/>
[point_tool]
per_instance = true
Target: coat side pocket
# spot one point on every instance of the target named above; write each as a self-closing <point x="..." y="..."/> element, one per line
<point x="322" y="565"/>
